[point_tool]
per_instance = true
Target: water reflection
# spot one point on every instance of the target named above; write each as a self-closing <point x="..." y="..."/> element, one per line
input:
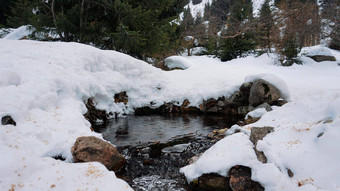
<point x="134" y="130"/>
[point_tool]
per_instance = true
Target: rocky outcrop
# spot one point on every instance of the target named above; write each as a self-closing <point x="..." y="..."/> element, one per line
<point x="93" y="149"/>
<point x="240" y="180"/>
<point x="262" y="91"/>
<point x="321" y="58"/>
<point x="8" y="120"/>
<point x="256" y="134"/>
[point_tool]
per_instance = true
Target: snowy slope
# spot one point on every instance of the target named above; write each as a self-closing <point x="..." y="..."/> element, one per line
<point x="43" y="86"/>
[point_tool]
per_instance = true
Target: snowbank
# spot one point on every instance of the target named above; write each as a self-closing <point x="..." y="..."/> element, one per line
<point x="318" y="50"/>
<point x="181" y="62"/>
<point x="305" y="138"/>
<point x="18" y="33"/>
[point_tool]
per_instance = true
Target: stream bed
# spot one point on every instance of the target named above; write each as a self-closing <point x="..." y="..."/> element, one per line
<point x="157" y="146"/>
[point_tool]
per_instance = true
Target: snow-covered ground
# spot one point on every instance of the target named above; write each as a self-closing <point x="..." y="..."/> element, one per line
<point x="43" y="86"/>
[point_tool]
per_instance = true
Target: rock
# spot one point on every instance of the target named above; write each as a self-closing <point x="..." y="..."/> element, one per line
<point x="240" y="180"/>
<point x="93" y="149"/>
<point x="290" y="173"/>
<point x="213" y="109"/>
<point x="245" y="88"/>
<point x="248" y="121"/>
<point x="121" y="97"/>
<point x="266" y="106"/>
<point x="279" y="102"/>
<point x="8" y="120"/>
<point x="93" y="114"/>
<point x="262" y="91"/>
<point x="237" y="99"/>
<point x="321" y="58"/>
<point x="256" y="134"/>
<point x="208" y="182"/>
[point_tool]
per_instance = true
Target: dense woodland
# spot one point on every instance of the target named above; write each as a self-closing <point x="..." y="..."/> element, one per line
<point x="156" y="29"/>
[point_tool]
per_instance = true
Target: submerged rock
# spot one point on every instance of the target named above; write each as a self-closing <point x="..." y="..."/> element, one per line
<point x="93" y="149"/>
<point x="262" y="91"/>
<point x="8" y="120"/>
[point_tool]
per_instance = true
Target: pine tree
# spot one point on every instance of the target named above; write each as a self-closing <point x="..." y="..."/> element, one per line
<point x="267" y="21"/>
<point x="238" y="37"/>
<point x="21" y="13"/>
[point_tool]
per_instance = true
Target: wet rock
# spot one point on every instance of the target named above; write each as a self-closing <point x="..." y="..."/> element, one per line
<point x="93" y="149"/>
<point x="121" y="97"/>
<point x="93" y="115"/>
<point x="212" y="181"/>
<point x="262" y="91"/>
<point x="207" y="104"/>
<point x="8" y="120"/>
<point x="240" y="180"/>
<point x="321" y="58"/>
<point x="256" y="134"/>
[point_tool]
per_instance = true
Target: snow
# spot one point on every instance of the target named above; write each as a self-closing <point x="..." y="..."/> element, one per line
<point x="317" y="50"/>
<point x="305" y="137"/>
<point x="18" y="33"/>
<point x="44" y="85"/>
<point x="256" y="113"/>
<point x="177" y="62"/>
<point x="198" y="9"/>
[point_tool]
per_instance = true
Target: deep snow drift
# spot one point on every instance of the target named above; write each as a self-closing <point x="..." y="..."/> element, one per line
<point x="43" y="86"/>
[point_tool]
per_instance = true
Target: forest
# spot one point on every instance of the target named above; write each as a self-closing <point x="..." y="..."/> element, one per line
<point x="156" y="29"/>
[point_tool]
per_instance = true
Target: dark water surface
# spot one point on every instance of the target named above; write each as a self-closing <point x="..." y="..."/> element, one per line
<point x="156" y="147"/>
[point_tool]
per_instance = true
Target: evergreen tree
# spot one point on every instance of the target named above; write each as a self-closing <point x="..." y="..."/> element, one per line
<point x="4" y="11"/>
<point x="267" y="23"/>
<point x="21" y="13"/>
<point x="238" y="37"/>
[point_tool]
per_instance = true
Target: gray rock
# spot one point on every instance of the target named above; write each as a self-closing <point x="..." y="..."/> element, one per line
<point x="262" y="91"/>
<point x="266" y="106"/>
<point x="256" y="134"/>
<point x="8" y="120"/>
<point x="93" y="149"/>
<point x="237" y="99"/>
<point x="321" y="58"/>
<point x="245" y="88"/>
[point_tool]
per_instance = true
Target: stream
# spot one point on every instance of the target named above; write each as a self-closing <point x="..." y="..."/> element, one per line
<point x="157" y="146"/>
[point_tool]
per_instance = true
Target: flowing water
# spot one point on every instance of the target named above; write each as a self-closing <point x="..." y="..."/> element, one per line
<point x="156" y="147"/>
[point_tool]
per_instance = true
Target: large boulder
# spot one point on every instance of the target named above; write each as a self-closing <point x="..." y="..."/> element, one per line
<point x="8" y="120"/>
<point x="93" y="149"/>
<point x="262" y="91"/>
